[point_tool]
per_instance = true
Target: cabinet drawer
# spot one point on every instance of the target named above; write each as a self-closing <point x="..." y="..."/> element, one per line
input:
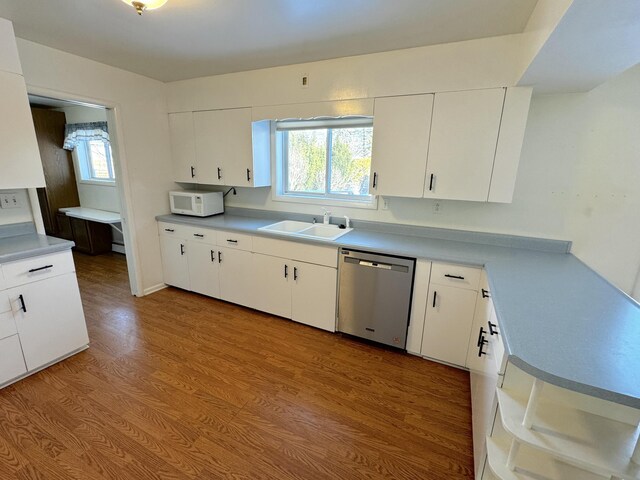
<point x="455" y="275"/>
<point x="235" y="240"/>
<point x="37" y="268"/>
<point x="199" y="234"/>
<point x="11" y="360"/>
<point x="7" y="325"/>
<point x="318" y="254"/>
<point x="173" y="230"/>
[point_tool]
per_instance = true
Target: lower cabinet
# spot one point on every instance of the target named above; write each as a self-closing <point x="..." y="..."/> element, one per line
<point x="236" y="276"/>
<point x="203" y="269"/>
<point x="175" y="267"/>
<point x="272" y="275"/>
<point x="49" y="318"/>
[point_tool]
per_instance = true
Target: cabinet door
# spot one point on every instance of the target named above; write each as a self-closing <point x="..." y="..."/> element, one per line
<point x="183" y="146"/>
<point x="175" y="267"/>
<point x="273" y="285"/>
<point x="19" y="155"/>
<point x="49" y="319"/>
<point x="236" y="276"/>
<point x="464" y="135"/>
<point x="479" y="331"/>
<point x="448" y="323"/>
<point x="314" y="295"/>
<point x="401" y="128"/>
<point x="203" y="268"/>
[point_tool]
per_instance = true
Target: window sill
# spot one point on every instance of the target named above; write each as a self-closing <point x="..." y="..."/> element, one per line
<point x="102" y="183"/>
<point x="329" y="202"/>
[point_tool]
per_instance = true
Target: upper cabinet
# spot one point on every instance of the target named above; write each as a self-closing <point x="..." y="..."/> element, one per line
<point x="19" y="155"/>
<point x="401" y="128"/>
<point x="221" y="147"/>
<point x="453" y="145"/>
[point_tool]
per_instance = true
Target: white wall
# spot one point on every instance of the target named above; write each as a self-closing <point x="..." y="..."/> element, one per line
<point x="17" y="215"/>
<point x="141" y="109"/>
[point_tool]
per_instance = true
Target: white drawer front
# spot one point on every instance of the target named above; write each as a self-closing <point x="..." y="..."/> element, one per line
<point x="37" y="268"/>
<point x="5" y="304"/>
<point x="204" y="235"/>
<point x="235" y="240"/>
<point x="7" y="325"/>
<point x="455" y="275"/>
<point x="11" y="360"/>
<point x="304" y="252"/>
<point x="172" y="229"/>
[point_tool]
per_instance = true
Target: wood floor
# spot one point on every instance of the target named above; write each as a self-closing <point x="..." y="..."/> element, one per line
<point x="179" y="386"/>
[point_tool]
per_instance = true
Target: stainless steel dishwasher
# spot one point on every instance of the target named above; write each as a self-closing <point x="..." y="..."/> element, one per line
<point x="375" y="296"/>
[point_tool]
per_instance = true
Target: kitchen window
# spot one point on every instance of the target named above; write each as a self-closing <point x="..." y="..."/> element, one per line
<point x="325" y="160"/>
<point x="94" y="161"/>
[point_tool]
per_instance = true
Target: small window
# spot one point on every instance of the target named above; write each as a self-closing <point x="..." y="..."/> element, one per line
<point x="94" y="160"/>
<point x="325" y="159"/>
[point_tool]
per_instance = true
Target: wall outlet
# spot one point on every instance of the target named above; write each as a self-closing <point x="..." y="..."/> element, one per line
<point x="10" y="200"/>
<point x="437" y="208"/>
<point x="385" y="203"/>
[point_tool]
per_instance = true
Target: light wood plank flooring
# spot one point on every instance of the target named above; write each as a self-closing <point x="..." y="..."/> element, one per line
<point x="179" y="386"/>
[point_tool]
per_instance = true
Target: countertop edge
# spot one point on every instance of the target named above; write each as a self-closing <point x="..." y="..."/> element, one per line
<point x="38" y="251"/>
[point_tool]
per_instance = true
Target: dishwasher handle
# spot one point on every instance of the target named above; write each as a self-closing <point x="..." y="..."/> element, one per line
<point x="373" y="264"/>
<point x="384" y="266"/>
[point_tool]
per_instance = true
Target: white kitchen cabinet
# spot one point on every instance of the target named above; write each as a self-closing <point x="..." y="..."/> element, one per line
<point x="230" y="149"/>
<point x="203" y="268"/>
<point x="11" y="359"/>
<point x="477" y="361"/>
<point x="49" y="319"/>
<point x="183" y="146"/>
<point x="273" y="285"/>
<point x="314" y="295"/>
<point x="9" y="60"/>
<point x="401" y="127"/>
<point x="464" y="135"/>
<point x="448" y="323"/>
<point x="236" y="276"/>
<point x="175" y="266"/>
<point x="20" y="162"/>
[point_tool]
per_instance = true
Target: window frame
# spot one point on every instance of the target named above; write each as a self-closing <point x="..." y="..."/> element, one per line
<point x="282" y="192"/>
<point x="85" y="172"/>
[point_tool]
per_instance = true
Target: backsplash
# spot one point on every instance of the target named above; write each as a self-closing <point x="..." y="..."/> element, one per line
<point x="20" y="214"/>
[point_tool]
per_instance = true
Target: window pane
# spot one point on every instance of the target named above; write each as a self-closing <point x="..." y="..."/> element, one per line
<point x="99" y="160"/>
<point x="307" y="160"/>
<point x="351" y="160"/>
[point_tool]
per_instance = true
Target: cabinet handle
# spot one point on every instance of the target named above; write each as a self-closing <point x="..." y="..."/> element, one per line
<point x="23" y="307"/>
<point x="435" y="294"/>
<point x="193" y="172"/>
<point x="232" y="241"/>
<point x="219" y="256"/>
<point x="457" y="277"/>
<point x="295" y="273"/>
<point x="493" y="329"/>
<point x="480" y="351"/>
<point x="481" y="339"/>
<point x="286" y="271"/>
<point x="182" y="249"/>
<point x="375" y="180"/>
<point x="219" y="173"/>
<point x="213" y="258"/>
<point x="485" y="293"/>
<point x="248" y="175"/>
<point x="40" y="268"/>
<point x="431" y="183"/>
<point x="199" y="235"/>
<point x="169" y="230"/>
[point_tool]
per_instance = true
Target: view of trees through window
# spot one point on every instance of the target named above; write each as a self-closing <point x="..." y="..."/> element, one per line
<point x="334" y="161"/>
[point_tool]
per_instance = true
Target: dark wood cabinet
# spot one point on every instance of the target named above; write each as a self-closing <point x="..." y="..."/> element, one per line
<point x="90" y="237"/>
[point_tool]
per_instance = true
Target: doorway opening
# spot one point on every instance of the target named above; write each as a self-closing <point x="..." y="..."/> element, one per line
<point x="83" y="199"/>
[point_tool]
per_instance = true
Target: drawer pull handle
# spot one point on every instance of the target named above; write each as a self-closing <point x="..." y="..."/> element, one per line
<point x="182" y="249"/>
<point x="435" y="294"/>
<point x="493" y="330"/>
<point x="41" y="268"/>
<point x="23" y="307"/>
<point x="199" y="235"/>
<point x="213" y="256"/>
<point x="481" y="339"/>
<point x="295" y="273"/>
<point x="169" y="230"/>
<point x="485" y="293"/>
<point x="457" y="277"/>
<point x="232" y="241"/>
<point x="219" y="256"/>
<point x="480" y="351"/>
<point x="286" y="271"/>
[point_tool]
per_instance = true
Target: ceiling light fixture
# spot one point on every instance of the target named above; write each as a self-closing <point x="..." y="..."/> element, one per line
<point x="146" y="5"/>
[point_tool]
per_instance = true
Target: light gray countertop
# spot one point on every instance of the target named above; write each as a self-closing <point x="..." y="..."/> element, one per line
<point x="25" y="243"/>
<point x="560" y="320"/>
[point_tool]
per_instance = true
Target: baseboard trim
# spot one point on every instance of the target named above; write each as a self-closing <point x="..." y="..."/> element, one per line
<point x="118" y="248"/>
<point x="155" y="288"/>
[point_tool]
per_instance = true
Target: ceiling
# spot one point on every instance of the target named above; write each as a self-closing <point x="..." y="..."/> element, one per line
<point x="195" y="38"/>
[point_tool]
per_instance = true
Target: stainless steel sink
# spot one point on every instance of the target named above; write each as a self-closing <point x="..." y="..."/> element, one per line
<point x="306" y="230"/>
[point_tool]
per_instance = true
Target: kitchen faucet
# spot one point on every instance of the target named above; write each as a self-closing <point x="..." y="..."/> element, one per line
<point x="327" y="216"/>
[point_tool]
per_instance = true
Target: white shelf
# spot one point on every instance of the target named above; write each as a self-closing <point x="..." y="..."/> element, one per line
<point x="592" y="442"/>
<point x="531" y="464"/>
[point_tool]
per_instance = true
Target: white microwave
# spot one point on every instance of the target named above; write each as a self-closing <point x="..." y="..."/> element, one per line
<point x="196" y="204"/>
